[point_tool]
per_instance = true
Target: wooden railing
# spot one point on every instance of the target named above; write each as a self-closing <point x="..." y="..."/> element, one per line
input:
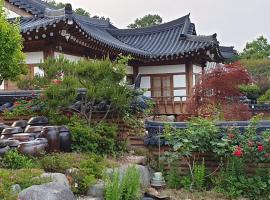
<point x="172" y="105"/>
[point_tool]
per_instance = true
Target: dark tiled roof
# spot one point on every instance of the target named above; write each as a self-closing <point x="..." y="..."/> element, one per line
<point x="227" y="52"/>
<point x="35" y="7"/>
<point x="168" y="40"/>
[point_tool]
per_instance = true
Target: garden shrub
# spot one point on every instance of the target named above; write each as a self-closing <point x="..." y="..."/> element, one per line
<point x="14" y="160"/>
<point x="174" y="178"/>
<point x="127" y="188"/>
<point x="20" y="108"/>
<point x="87" y="168"/>
<point x="234" y="181"/>
<point x="24" y="177"/>
<point x="99" y="138"/>
<point x="199" y="176"/>
<point x="234" y="148"/>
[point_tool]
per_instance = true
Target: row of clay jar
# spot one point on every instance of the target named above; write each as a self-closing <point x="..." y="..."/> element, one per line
<point x="33" y="140"/>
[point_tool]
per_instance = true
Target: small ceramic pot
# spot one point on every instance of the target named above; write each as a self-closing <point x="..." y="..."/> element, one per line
<point x="32" y="148"/>
<point x="38" y="121"/>
<point x="13" y="144"/>
<point x="20" y="123"/>
<point x="3" y="126"/>
<point x="34" y="129"/>
<point x="65" y="139"/>
<point x="51" y="133"/>
<point x="24" y="137"/>
<point x="8" y="132"/>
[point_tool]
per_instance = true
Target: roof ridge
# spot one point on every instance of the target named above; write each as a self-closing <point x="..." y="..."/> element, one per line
<point x="202" y="38"/>
<point x="151" y="29"/>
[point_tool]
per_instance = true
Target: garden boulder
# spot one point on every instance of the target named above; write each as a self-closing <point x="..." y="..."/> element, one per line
<point x="57" y="178"/>
<point x="48" y="191"/>
<point x="97" y="190"/>
<point x="145" y="176"/>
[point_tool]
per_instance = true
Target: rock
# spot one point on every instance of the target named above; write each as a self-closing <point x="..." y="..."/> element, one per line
<point x="57" y="178"/>
<point x="137" y="160"/>
<point x="97" y="190"/>
<point x="48" y="191"/>
<point x="144" y="173"/>
<point x="16" y="189"/>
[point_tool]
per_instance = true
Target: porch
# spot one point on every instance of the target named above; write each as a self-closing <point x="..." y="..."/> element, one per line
<point x="170" y="105"/>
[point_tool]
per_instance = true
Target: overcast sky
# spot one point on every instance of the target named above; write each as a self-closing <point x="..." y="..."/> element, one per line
<point x="235" y="21"/>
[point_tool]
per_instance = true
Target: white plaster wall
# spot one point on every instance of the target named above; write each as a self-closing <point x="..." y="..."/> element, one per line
<point x="34" y="57"/>
<point x="67" y="56"/>
<point x="197" y="69"/>
<point x="179" y="80"/>
<point x="162" y="69"/>
<point x="129" y="70"/>
<point x="38" y="71"/>
<point x="2" y="87"/>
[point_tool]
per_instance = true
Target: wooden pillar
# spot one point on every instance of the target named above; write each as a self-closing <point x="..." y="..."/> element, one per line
<point x="189" y="78"/>
<point x="135" y="71"/>
<point x="48" y="52"/>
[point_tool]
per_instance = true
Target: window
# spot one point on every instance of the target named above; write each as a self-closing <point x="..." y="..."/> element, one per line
<point x="161" y="86"/>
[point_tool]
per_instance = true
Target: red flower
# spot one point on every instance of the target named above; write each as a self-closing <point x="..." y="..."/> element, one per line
<point x="266" y="155"/>
<point x="260" y="148"/>
<point x="238" y="151"/>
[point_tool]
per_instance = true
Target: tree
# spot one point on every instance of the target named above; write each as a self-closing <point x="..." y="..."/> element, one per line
<point x="79" y="11"/>
<point x="257" y="49"/>
<point x="147" y="20"/>
<point x="12" y="61"/>
<point x="218" y="92"/>
<point x="82" y="12"/>
<point x="259" y="70"/>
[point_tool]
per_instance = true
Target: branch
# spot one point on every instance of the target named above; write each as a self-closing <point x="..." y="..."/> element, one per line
<point x="105" y="116"/>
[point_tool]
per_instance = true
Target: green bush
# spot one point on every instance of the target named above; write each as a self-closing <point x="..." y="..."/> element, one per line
<point x="265" y="97"/>
<point x="88" y="168"/>
<point x="14" y="160"/>
<point x="174" y="178"/>
<point x="126" y="189"/>
<point x="233" y="181"/>
<point x="199" y="176"/>
<point x="251" y="91"/>
<point x="24" y="177"/>
<point x="99" y="138"/>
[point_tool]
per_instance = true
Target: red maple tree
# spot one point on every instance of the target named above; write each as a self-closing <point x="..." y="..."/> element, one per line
<point x="217" y="92"/>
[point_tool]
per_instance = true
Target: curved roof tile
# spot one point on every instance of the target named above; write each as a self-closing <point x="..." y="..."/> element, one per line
<point x="174" y="38"/>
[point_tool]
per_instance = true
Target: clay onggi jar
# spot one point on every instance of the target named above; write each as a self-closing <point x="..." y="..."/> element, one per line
<point x="51" y="133"/>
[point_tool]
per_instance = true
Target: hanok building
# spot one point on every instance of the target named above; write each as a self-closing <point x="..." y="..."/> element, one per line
<point x="169" y="57"/>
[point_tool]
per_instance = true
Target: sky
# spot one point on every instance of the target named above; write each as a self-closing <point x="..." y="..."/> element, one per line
<point x="235" y="21"/>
